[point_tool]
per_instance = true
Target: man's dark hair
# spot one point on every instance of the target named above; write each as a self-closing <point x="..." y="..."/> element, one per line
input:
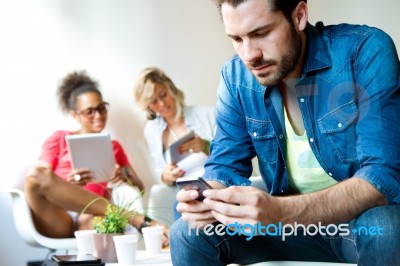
<point x="284" y="6"/>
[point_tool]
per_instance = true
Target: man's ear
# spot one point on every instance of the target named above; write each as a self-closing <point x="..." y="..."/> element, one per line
<point x="300" y="16"/>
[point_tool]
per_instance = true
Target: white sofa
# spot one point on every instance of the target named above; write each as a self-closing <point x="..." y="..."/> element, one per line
<point x="162" y="199"/>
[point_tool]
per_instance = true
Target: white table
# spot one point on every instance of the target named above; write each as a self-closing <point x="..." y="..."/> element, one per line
<point x="145" y="258"/>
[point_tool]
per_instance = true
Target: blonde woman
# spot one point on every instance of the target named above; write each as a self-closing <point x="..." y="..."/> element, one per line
<point x="168" y="120"/>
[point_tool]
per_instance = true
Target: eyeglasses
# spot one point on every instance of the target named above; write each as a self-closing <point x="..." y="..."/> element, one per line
<point x="91" y="111"/>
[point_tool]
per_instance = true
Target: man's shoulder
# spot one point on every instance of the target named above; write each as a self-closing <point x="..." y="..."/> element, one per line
<point x="234" y="61"/>
<point x="345" y="30"/>
<point x="235" y="72"/>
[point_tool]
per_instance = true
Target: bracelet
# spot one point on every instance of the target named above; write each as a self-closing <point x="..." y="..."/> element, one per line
<point x="206" y="148"/>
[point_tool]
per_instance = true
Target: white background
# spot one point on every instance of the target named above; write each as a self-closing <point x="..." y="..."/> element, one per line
<point x="43" y="40"/>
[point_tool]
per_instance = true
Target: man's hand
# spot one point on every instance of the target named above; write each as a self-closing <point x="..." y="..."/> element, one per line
<point x="193" y="210"/>
<point x="244" y="205"/>
<point x="341" y="202"/>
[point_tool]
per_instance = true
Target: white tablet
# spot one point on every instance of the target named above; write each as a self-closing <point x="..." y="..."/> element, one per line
<point x="93" y="151"/>
<point x="176" y="156"/>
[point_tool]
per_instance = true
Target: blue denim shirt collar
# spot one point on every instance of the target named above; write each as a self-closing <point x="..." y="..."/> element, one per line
<point x="316" y="55"/>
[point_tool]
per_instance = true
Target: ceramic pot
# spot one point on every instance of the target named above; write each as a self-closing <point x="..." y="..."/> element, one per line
<point x="104" y="247"/>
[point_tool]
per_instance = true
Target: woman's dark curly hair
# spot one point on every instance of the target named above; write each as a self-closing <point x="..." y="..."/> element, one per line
<point x="73" y="85"/>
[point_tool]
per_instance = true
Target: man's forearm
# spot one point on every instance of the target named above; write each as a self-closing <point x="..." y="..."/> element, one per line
<point x="342" y="202"/>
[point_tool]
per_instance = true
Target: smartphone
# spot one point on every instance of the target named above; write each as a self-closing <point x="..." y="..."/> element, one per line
<point x="76" y="260"/>
<point x="193" y="183"/>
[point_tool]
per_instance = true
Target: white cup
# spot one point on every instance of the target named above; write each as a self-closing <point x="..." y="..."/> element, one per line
<point x="84" y="241"/>
<point x="125" y="246"/>
<point x="153" y="236"/>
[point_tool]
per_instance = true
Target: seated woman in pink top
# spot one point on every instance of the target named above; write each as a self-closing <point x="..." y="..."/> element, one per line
<point x="54" y="190"/>
<point x="55" y="155"/>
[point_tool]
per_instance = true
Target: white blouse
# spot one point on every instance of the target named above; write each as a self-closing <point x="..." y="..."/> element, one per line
<point x="200" y="119"/>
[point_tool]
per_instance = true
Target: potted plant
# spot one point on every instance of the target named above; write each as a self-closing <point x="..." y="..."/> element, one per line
<point x="115" y="221"/>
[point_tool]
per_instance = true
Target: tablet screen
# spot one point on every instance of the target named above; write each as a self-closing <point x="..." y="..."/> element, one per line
<point x="176" y="156"/>
<point x="93" y="151"/>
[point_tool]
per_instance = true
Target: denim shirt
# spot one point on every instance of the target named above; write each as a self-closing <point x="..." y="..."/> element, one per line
<point x="349" y="98"/>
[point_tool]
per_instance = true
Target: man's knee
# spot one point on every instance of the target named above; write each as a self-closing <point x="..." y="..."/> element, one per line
<point x="178" y="231"/>
<point x="378" y="230"/>
<point x="182" y="233"/>
<point x="382" y="219"/>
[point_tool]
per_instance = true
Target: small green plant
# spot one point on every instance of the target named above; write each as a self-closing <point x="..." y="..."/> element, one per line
<point x="114" y="220"/>
<point x="117" y="214"/>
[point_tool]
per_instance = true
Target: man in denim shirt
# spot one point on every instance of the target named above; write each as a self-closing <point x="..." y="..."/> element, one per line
<point x="332" y="92"/>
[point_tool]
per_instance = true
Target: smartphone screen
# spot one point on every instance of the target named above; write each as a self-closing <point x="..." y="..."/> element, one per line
<point x="193" y="183"/>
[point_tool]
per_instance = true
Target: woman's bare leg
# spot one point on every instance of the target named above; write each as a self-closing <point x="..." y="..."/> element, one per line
<point x="85" y="222"/>
<point x="49" y="197"/>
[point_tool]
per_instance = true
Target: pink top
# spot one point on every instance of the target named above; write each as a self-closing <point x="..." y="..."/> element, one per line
<point x="55" y="152"/>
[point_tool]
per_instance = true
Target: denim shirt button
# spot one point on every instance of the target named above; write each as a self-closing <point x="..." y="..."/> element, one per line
<point x="302" y="100"/>
<point x="339" y="125"/>
<point x="281" y="136"/>
<point x="311" y="140"/>
<point x="255" y="134"/>
<point x="330" y="174"/>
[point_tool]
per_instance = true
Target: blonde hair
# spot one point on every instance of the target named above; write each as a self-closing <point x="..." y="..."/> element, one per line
<point x="143" y="90"/>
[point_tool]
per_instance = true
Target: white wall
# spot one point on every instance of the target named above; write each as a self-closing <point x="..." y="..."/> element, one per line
<point x="42" y="40"/>
<point x="381" y="14"/>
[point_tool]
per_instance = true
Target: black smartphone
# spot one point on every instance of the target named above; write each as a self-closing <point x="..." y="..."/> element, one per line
<point x="193" y="183"/>
<point x="76" y="260"/>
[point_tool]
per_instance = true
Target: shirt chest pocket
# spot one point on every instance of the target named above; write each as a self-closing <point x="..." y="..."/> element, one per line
<point x="338" y="126"/>
<point x="263" y="137"/>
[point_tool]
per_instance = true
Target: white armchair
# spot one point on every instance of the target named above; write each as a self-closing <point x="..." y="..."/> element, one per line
<point x="24" y="223"/>
<point x="160" y="204"/>
<point x="26" y="228"/>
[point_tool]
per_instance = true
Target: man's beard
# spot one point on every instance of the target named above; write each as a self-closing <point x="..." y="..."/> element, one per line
<point x="285" y="66"/>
